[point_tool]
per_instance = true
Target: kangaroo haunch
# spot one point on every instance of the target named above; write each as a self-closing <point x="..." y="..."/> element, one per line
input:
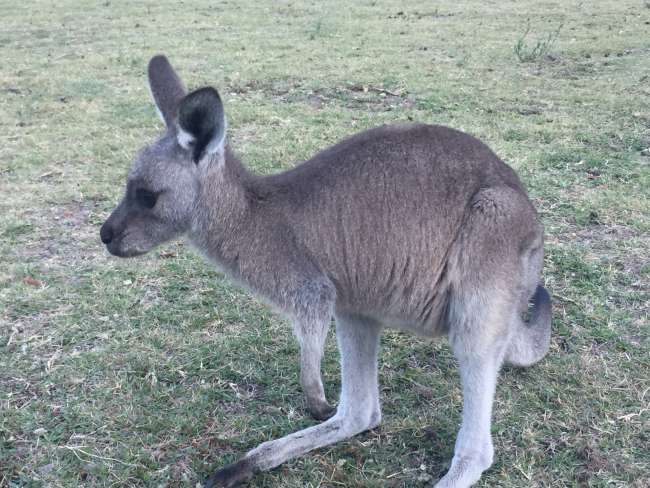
<point x="417" y="227"/>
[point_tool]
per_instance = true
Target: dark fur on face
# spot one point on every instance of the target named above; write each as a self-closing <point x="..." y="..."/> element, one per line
<point x="160" y="196"/>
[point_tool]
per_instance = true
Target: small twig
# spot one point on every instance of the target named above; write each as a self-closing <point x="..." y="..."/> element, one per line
<point x="61" y="56"/>
<point x="527" y="476"/>
<point x="14" y="331"/>
<point x="565" y="299"/>
<point x="632" y="415"/>
<point x="50" y="173"/>
<point x="76" y="455"/>
<point x="367" y="88"/>
<point x="396" y="474"/>
<point x="76" y="449"/>
<point x="383" y="90"/>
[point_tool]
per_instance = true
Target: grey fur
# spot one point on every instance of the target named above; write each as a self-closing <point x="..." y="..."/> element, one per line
<point x="417" y="227"/>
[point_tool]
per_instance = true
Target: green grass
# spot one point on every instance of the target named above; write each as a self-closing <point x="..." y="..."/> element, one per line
<point x="155" y="372"/>
<point x="528" y="51"/>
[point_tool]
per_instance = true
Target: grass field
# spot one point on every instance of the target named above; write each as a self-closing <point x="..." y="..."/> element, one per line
<point x="155" y="371"/>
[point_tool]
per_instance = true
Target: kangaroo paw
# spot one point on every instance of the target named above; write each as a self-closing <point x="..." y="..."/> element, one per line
<point x="321" y="411"/>
<point x="231" y="475"/>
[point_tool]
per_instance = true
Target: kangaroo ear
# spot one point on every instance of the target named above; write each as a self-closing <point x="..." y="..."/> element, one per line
<point x="202" y="123"/>
<point x="166" y="87"/>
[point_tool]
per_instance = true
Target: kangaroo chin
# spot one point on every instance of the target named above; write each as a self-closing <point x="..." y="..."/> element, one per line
<point x="412" y="226"/>
<point x="125" y="253"/>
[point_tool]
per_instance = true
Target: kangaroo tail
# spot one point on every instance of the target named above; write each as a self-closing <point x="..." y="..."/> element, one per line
<point x="531" y="340"/>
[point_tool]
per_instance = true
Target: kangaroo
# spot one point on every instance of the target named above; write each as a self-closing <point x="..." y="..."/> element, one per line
<point x="418" y="227"/>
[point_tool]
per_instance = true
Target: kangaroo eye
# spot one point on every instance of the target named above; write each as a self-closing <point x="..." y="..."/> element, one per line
<point x="146" y="198"/>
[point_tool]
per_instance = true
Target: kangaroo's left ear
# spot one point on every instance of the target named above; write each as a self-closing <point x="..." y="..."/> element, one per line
<point x="166" y="87"/>
<point x="202" y="123"/>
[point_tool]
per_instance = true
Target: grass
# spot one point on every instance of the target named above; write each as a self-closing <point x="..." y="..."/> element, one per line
<point x="156" y="371"/>
<point x="526" y="53"/>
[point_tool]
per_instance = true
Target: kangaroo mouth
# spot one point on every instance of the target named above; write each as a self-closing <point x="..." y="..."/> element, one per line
<point x="116" y="248"/>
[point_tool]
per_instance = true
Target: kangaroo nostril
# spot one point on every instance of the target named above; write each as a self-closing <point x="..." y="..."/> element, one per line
<point x="106" y="234"/>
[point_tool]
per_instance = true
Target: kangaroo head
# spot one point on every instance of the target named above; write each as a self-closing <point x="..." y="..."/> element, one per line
<point x="164" y="181"/>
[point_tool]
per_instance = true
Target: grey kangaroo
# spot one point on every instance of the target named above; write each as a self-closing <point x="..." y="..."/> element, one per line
<point x="417" y="227"/>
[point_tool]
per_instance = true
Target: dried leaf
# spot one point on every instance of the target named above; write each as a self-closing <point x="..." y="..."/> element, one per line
<point x="28" y="280"/>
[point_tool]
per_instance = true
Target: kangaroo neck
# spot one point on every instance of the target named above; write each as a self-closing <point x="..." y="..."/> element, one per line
<point x="221" y="210"/>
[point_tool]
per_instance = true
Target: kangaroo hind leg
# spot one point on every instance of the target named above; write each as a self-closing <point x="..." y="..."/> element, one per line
<point x="493" y="267"/>
<point x="478" y="337"/>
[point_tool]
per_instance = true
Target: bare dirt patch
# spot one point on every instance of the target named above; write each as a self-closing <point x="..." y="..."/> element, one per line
<point x="62" y="236"/>
<point x="606" y="241"/>
<point x="564" y="67"/>
<point x="355" y="95"/>
<point x="594" y="462"/>
<point x="360" y="96"/>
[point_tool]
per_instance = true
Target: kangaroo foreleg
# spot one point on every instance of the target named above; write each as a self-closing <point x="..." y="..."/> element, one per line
<point x="358" y="409"/>
<point x="312" y="336"/>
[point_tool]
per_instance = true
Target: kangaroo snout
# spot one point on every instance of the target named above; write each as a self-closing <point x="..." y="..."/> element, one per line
<point x="106" y="233"/>
<point x="111" y="239"/>
<point x="112" y="234"/>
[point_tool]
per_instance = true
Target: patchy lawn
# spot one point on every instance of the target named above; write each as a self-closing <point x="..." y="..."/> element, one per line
<point x="156" y="371"/>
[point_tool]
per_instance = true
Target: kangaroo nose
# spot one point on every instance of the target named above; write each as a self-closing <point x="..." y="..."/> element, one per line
<point x="106" y="233"/>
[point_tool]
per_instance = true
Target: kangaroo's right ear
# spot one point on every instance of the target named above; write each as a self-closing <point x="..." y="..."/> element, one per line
<point x="166" y="87"/>
<point x="202" y="123"/>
